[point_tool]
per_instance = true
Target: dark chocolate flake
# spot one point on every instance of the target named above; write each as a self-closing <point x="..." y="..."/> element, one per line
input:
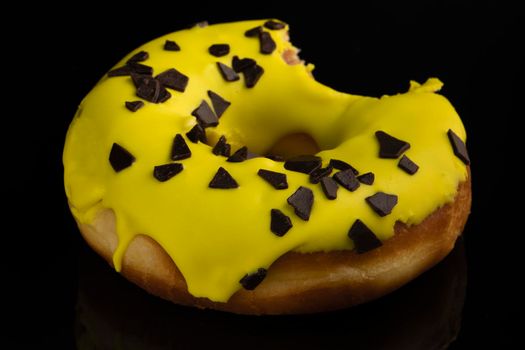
<point x="275" y="157"/>
<point x="239" y="156"/>
<point x="167" y="171"/>
<point x="240" y="65"/>
<point x="222" y="179"/>
<point x="382" y="203"/>
<point x="252" y="280"/>
<point x="280" y="223"/>
<point x="164" y="95"/>
<point x="171" y="45"/>
<point x="266" y="43"/>
<point x="221" y="148"/>
<point x="274" y="25"/>
<point x="134" y="105"/>
<point x="347" y="179"/>
<point x="340" y="165"/>
<point x="119" y="72"/>
<point x="219" y="50"/>
<point x="140" y="68"/>
<point x="197" y="134"/>
<point x="254" y="32"/>
<point x="120" y="158"/>
<point x="408" y="165"/>
<point x="302" y="201"/>
<point x="458" y="146"/>
<point x="367" y="178"/>
<point x="219" y="104"/>
<point x="277" y="180"/>
<point x="364" y="239"/>
<point x="227" y="73"/>
<point x="317" y="174"/>
<point x="139" y="79"/>
<point x="173" y="79"/>
<point x="252" y="75"/>
<point x="149" y="89"/>
<point x="329" y="187"/>
<point x="303" y="164"/>
<point x="205" y="115"/>
<point x="389" y="146"/>
<point x="179" y="149"/>
<point x="139" y="57"/>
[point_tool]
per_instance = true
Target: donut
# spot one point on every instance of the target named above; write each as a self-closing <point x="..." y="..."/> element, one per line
<point x="211" y="169"/>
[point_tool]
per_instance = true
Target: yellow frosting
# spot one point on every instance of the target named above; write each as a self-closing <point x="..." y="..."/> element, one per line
<point x="216" y="236"/>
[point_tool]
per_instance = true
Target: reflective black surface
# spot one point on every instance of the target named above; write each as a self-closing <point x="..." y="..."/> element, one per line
<point x="111" y="314"/>
<point x="58" y="294"/>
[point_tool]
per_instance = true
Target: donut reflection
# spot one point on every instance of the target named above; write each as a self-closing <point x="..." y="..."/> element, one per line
<point x="424" y="314"/>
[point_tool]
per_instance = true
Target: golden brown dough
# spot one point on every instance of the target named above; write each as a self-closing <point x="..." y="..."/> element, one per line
<point x="300" y="283"/>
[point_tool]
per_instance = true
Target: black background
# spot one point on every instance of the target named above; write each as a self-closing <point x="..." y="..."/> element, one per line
<point x="475" y="49"/>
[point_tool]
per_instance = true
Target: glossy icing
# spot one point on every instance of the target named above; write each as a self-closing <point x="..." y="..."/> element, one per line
<point x="217" y="236"/>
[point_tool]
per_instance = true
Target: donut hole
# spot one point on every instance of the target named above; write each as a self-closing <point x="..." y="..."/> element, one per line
<point x="295" y="144"/>
<point x="290" y="145"/>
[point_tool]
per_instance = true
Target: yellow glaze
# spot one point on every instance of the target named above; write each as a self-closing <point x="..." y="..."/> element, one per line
<point x="216" y="236"/>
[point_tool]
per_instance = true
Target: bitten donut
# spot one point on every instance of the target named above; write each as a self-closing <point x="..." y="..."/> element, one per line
<point x="212" y="170"/>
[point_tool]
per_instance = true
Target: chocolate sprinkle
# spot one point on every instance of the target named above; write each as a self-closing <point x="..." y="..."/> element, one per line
<point x="239" y="156"/>
<point x="367" y="179"/>
<point x="329" y="187"/>
<point x="317" y="174"/>
<point x="140" y="68"/>
<point x="219" y="50"/>
<point x="280" y="223"/>
<point x="303" y="164"/>
<point x="173" y="79"/>
<point x="171" y="45"/>
<point x="139" y="57"/>
<point x="364" y="239"/>
<point x="252" y="75"/>
<point x="302" y="201"/>
<point x="275" y="157"/>
<point x="221" y="148"/>
<point x="149" y="89"/>
<point x="134" y="105"/>
<point x="120" y="158"/>
<point x="205" y="115"/>
<point x="347" y="179"/>
<point x="227" y="73"/>
<point x="197" y="134"/>
<point x="119" y="72"/>
<point x="340" y="165"/>
<point x="277" y="180"/>
<point x="164" y="95"/>
<point x="180" y="149"/>
<point x="223" y="179"/>
<point x="274" y="25"/>
<point x="266" y="43"/>
<point x="458" y="146"/>
<point x="240" y="65"/>
<point x="252" y="33"/>
<point x="382" y="203"/>
<point x="139" y="79"/>
<point x="408" y="165"/>
<point x="251" y="281"/>
<point x="219" y="104"/>
<point x="389" y="146"/>
<point x="167" y="171"/>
